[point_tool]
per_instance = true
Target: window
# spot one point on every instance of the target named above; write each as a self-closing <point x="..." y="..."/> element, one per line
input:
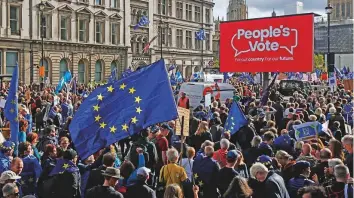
<point x="343" y="9"/>
<point x="169" y="8"/>
<point x="188" y="12"/>
<point x="99" y="31"/>
<point x="349" y="10"/>
<point x="114" y="4"/>
<point x="189" y="39"/>
<point x="179" y="38"/>
<point x="14" y="20"/>
<point x="337" y="8"/>
<point x="161" y="7"/>
<point x="207" y="15"/>
<point x="83" y="30"/>
<point x="115" y="67"/>
<point x="63" y="67"/>
<point x="207" y="42"/>
<point x="179" y="10"/>
<point x="98" y="71"/>
<point x="11" y="61"/>
<point x="169" y="38"/>
<point x="46" y="22"/>
<point x="81" y="71"/>
<point x="99" y="2"/>
<point x="64" y="28"/>
<point x="198" y="44"/>
<point x="197" y="14"/>
<point x="115" y="33"/>
<point x="163" y="35"/>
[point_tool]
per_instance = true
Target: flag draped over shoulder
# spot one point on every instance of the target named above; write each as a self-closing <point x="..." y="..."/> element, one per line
<point x="11" y="106"/>
<point x="307" y="130"/>
<point x="115" y="111"/>
<point x="236" y="119"/>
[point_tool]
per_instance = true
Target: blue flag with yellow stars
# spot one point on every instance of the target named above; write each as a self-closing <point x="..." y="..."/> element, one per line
<point x="11" y="106"/>
<point x="236" y="119"/>
<point x="63" y="165"/>
<point x="115" y="111"/>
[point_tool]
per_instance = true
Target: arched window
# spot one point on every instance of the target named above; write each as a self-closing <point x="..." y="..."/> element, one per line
<point x="46" y="67"/>
<point x="98" y="71"/>
<point x="63" y="67"/>
<point x="81" y="71"/>
<point x="115" y="66"/>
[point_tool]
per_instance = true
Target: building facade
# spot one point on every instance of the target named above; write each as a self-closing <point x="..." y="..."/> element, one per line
<point x="342" y="9"/>
<point x="216" y="41"/>
<point x="84" y="36"/>
<point x="92" y="37"/>
<point x="237" y="10"/>
<point x="294" y="8"/>
<point x="173" y="24"/>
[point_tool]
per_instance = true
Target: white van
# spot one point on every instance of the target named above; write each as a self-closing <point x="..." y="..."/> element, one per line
<point x="196" y="91"/>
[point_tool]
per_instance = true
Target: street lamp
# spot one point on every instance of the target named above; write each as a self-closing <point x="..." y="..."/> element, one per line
<point x="328" y="9"/>
<point x="41" y="8"/>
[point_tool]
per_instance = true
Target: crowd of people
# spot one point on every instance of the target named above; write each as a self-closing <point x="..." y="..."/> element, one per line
<point x="262" y="159"/>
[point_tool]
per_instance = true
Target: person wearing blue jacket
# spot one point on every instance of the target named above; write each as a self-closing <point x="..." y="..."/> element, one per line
<point x="31" y="169"/>
<point x="6" y="151"/>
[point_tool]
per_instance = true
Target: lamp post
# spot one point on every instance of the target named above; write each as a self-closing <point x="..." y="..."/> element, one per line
<point x="41" y="8"/>
<point x="328" y="9"/>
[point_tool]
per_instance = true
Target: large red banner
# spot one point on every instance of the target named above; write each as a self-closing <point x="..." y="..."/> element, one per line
<point x="283" y="44"/>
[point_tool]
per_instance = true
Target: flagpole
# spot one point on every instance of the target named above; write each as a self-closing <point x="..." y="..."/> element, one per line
<point x="202" y="64"/>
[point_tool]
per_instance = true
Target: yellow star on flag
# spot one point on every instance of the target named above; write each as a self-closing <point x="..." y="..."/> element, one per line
<point x="138" y="99"/>
<point x="13" y="102"/>
<point x="132" y="90"/>
<point x="138" y="110"/>
<point x="16" y="119"/>
<point x="113" y="129"/>
<point x="97" y="118"/>
<point x="134" y="120"/>
<point x="102" y="125"/>
<point x="96" y="108"/>
<point x="200" y="183"/>
<point x="100" y="97"/>
<point x="110" y="88"/>
<point x="12" y="110"/>
<point x="196" y="176"/>
<point x="30" y="179"/>
<point x="122" y="86"/>
<point x="125" y="127"/>
<point x="65" y="166"/>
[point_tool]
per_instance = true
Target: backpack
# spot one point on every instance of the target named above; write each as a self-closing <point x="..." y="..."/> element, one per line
<point x="134" y="156"/>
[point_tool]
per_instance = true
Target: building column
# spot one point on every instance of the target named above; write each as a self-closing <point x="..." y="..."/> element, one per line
<point x="3" y="68"/>
<point x="27" y="65"/>
<point x="3" y="18"/>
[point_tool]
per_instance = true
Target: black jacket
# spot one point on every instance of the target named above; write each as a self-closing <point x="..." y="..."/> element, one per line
<point x="68" y="185"/>
<point x="103" y="191"/>
<point x="95" y="178"/>
<point x="275" y="186"/>
<point x="140" y="189"/>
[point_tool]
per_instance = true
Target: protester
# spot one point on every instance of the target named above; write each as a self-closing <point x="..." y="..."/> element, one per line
<point x="141" y="189"/>
<point x="228" y="172"/>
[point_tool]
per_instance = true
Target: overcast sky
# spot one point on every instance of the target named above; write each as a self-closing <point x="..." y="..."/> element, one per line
<point x="264" y="8"/>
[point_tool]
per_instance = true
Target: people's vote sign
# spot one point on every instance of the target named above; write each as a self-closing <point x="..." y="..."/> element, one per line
<point x="283" y="44"/>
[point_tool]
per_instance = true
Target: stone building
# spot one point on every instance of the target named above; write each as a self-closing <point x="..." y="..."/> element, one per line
<point x="342" y="9"/>
<point x="91" y="37"/>
<point x="237" y="10"/>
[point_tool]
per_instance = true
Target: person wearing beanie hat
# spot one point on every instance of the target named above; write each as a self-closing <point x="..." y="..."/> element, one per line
<point x="302" y="170"/>
<point x="266" y="161"/>
<point x="140" y="188"/>
<point x="227" y="173"/>
<point x="6" y="151"/>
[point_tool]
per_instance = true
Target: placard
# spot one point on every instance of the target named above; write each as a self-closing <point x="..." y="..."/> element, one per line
<point x="2" y="103"/>
<point x="207" y="102"/>
<point x="183" y="114"/>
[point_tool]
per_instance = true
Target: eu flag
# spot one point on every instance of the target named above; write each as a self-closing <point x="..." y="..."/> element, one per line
<point x="236" y="119"/>
<point x="11" y="106"/>
<point x="266" y="93"/>
<point x="307" y="130"/>
<point x="115" y="111"/>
